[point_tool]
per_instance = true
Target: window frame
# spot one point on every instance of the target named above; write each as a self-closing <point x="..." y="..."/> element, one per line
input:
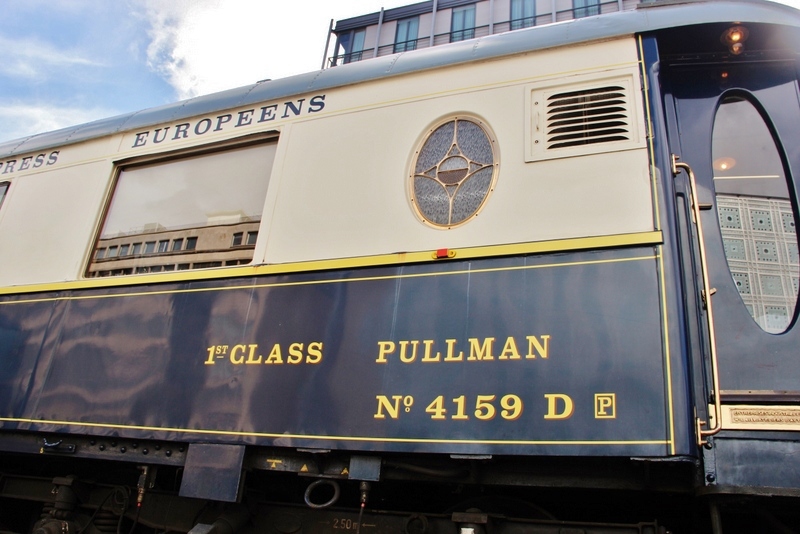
<point x="464" y="33"/>
<point x="523" y="19"/>
<point x="190" y="242"/>
<point x="408" y="43"/>
<point x="585" y="8"/>
<point x="755" y="252"/>
<point x="346" y="42"/>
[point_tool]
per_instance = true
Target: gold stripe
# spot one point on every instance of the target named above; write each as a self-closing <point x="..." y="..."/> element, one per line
<point x="331" y="437"/>
<point x="561" y="245"/>
<point x="331" y="281"/>
<point x="660" y="251"/>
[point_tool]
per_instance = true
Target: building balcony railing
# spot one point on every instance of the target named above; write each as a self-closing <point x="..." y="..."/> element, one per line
<point x="539" y="19"/>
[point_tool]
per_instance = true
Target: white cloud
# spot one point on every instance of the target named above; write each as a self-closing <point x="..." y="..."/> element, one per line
<point x="209" y="45"/>
<point x="31" y="58"/>
<point x="203" y="46"/>
<point x="21" y="120"/>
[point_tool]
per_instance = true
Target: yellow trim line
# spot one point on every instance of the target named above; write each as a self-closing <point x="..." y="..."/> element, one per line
<point x="240" y="433"/>
<point x="384" y="260"/>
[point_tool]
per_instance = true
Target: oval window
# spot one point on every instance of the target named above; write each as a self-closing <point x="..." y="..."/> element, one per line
<point x="453" y="172"/>
<point x="755" y="213"/>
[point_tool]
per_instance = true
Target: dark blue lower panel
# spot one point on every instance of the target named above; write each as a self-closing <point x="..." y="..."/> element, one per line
<point x="526" y="355"/>
<point x="739" y="462"/>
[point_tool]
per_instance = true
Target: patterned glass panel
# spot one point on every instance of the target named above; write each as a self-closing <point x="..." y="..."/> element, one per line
<point x="454" y="172"/>
<point x="756" y="216"/>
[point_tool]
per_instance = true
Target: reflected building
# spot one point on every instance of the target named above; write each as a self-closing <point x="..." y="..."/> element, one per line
<point x="182" y="213"/>
<point x="225" y="239"/>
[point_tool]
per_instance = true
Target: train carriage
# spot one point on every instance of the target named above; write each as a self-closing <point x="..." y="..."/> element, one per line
<point x="542" y="281"/>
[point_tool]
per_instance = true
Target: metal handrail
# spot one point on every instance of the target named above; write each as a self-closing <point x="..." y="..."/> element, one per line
<point x="706" y="293"/>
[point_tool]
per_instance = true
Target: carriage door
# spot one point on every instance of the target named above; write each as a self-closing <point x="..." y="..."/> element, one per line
<point x="736" y="128"/>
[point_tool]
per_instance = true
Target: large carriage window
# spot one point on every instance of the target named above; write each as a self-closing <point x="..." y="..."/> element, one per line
<point x="184" y="213"/>
<point x="756" y="216"/>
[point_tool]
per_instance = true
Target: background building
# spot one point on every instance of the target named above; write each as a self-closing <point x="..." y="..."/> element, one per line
<point x="438" y="22"/>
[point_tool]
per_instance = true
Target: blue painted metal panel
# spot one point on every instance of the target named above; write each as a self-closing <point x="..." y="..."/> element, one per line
<point x="339" y="359"/>
<point x="768" y="461"/>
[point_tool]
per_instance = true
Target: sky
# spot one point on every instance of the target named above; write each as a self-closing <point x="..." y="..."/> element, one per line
<point x="68" y="62"/>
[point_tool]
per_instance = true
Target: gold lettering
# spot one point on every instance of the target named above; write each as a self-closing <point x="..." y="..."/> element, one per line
<point x="295" y="353"/>
<point x="451" y="344"/>
<point x="314" y="352"/>
<point x="251" y="358"/>
<point x="543" y="348"/>
<point x="478" y="351"/>
<point x="553" y="411"/>
<point x="236" y="360"/>
<point x="509" y="350"/>
<point x="392" y="407"/>
<point x="403" y="357"/>
<point x="428" y="349"/>
<point x="384" y="348"/>
<point x="274" y="355"/>
<point x="605" y="406"/>
<point x="210" y="359"/>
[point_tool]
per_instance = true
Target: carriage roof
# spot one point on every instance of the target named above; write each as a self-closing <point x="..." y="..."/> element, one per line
<point x="647" y="17"/>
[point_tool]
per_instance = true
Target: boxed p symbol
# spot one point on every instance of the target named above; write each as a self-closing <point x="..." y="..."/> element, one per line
<point x="605" y="405"/>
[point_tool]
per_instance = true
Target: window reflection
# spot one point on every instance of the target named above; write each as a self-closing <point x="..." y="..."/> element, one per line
<point x="186" y="212"/>
<point x="755" y="213"/>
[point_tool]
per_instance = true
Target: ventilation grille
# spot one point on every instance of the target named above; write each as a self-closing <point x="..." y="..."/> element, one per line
<point x="590" y="116"/>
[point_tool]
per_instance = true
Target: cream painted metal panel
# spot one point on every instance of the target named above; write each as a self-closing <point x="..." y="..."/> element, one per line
<point x="57" y="211"/>
<point x="349" y="196"/>
<point x="340" y="180"/>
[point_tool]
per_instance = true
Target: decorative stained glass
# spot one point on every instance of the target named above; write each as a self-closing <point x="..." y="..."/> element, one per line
<point x="454" y="171"/>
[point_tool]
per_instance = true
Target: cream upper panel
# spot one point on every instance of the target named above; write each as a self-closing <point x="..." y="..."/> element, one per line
<point x="50" y="214"/>
<point x="48" y="221"/>
<point x="344" y="178"/>
<point x="339" y="186"/>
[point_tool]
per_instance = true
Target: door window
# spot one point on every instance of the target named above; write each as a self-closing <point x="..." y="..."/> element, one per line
<point x="756" y="217"/>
